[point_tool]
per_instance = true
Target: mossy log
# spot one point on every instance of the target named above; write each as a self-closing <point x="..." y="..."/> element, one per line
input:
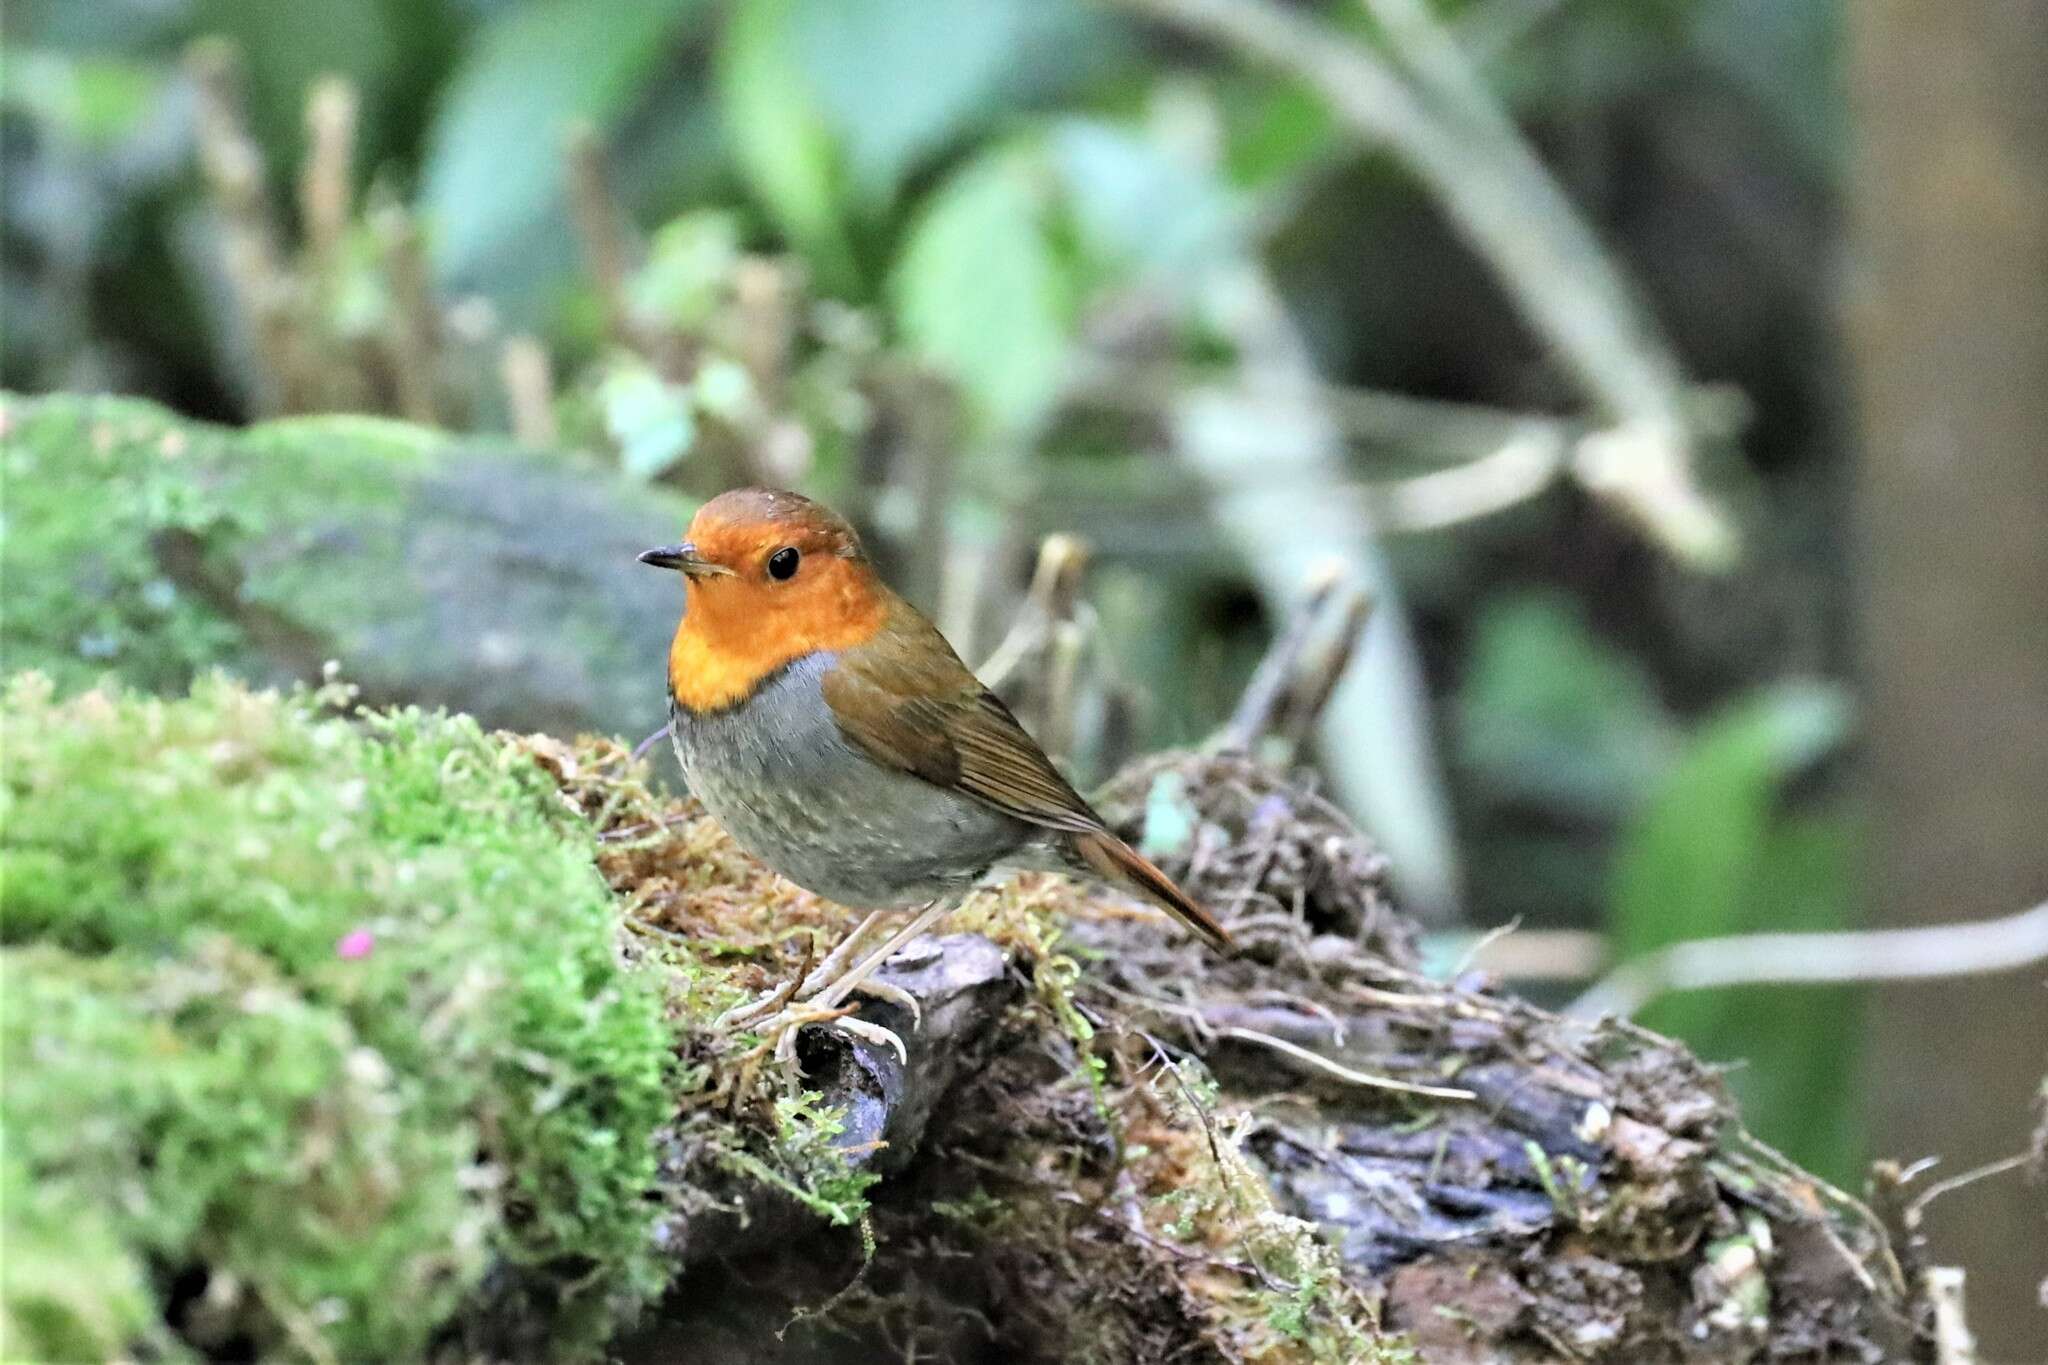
<point x="1306" y="1152"/>
<point x="370" y="1035"/>
<point x="438" y="570"/>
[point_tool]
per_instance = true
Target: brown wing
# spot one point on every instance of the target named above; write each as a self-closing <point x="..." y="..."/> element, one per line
<point x="907" y="700"/>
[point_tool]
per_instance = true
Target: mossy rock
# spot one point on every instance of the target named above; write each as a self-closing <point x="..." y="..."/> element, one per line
<point x="317" y="1036"/>
<point x="438" y="571"/>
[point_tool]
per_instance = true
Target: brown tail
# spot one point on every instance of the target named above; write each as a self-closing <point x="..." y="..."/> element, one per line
<point x="1118" y="863"/>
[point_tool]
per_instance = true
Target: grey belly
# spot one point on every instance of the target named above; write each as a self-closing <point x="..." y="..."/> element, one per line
<point x="782" y="780"/>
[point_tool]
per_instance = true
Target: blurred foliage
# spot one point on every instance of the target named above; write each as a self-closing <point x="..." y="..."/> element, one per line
<point x="1551" y="717"/>
<point x="311" y="1025"/>
<point x="1717" y="849"/>
<point x="1046" y="205"/>
<point x="1709" y="840"/>
<point x="980" y="292"/>
<point x="491" y="182"/>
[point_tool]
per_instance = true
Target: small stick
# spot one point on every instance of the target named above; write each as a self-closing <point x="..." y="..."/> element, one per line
<point x="415" y="330"/>
<point x="612" y="836"/>
<point x="764" y="299"/>
<point x="1055" y="588"/>
<point x="1526" y="463"/>
<point x="640" y="749"/>
<point x="1976" y="947"/>
<point x="1271" y="681"/>
<point x="1917" y="1210"/>
<point x="233" y="168"/>
<point x="529" y="380"/>
<point x="1056" y="580"/>
<point x="1339" y="1070"/>
<point x="927" y="416"/>
<point x="598" y="227"/>
<point x="326" y="191"/>
<point x="1062" y="673"/>
<point x="1317" y="680"/>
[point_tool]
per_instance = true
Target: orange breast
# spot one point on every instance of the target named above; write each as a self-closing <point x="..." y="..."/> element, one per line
<point x="736" y="633"/>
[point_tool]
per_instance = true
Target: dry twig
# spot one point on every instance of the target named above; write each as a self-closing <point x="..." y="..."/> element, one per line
<point x="1054" y="597"/>
<point x="528" y="376"/>
<point x="1972" y="949"/>
<point x="600" y="227"/>
<point x="326" y="181"/>
<point x="1317" y="1062"/>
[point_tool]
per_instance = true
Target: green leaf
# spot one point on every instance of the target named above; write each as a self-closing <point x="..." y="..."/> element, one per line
<point x="1273" y="132"/>
<point x="1688" y="866"/>
<point x="1141" y="210"/>
<point x="780" y="139"/>
<point x="1794" y="1047"/>
<point x="1712" y="855"/>
<point x="1552" y="715"/>
<point x="97" y="100"/>
<point x="494" y="172"/>
<point x="688" y="271"/>
<point x="651" y="421"/>
<point x="895" y="80"/>
<point x="979" y="292"/>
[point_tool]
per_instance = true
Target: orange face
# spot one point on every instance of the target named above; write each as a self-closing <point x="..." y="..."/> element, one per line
<point x="771" y="577"/>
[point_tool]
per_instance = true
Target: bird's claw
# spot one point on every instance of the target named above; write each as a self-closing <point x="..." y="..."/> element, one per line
<point x="765" y="1006"/>
<point x="747" y="1012"/>
<point x="895" y="995"/>
<point x="786" y="1027"/>
<point x="874" y="1033"/>
<point x="819" y="996"/>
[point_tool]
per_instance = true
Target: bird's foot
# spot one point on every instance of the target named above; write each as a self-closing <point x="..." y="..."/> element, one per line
<point x="786" y="1037"/>
<point x="781" y="1031"/>
<point x="820" y="996"/>
<point x="748" y="1012"/>
<point x="807" y="986"/>
<point x="789" y="1011"/>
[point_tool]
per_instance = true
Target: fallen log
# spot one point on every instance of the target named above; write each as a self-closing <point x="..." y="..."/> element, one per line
<point x="1133" y="1150"/>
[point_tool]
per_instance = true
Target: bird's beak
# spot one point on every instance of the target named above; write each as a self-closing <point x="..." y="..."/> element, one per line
<point x="685" y="560"/>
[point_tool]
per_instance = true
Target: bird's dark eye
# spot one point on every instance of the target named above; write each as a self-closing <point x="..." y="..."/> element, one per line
<point x="782" y="564"/>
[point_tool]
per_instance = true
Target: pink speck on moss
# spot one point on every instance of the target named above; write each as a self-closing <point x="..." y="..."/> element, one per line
<point x="354" y="944"/>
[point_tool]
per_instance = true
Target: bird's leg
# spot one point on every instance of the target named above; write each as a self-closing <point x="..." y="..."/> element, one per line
<point x="830" y="970"/>
<point x="773" y="999"/>
<point x="833" y="994"/>
<point x="822" y="1004"/>
<point x="835" y="961"/>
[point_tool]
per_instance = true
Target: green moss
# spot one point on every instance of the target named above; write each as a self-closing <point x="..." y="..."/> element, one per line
<point x="805" y="1161"/>
<point x="89" y="485"/>
<point x="496" y="580"/>
<point x="322" y="1017"/>
<point x="73" y="1289"/>
<point x="155" y="548"/>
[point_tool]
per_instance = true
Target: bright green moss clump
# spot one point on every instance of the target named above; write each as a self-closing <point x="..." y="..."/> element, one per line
<point x="308" y="1023"/>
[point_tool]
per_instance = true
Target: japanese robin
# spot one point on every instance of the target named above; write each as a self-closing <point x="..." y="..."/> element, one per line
<point x="833" y="732"/>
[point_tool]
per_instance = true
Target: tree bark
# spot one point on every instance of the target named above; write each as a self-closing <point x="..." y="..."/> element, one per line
<point x="1950" y="328"/>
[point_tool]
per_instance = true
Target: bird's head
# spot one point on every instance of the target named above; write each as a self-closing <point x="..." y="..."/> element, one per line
<point x="770" y="577"/>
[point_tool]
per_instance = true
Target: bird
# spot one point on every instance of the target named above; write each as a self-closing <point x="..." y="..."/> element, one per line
<point x="832" y="731"/>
